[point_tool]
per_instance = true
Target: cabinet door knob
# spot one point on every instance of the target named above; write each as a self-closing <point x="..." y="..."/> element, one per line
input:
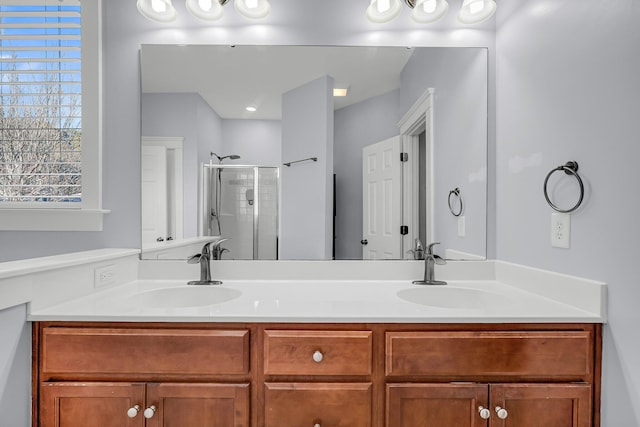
<point x="132" y="412"/>
<point x="317" y="357"/>
<point x="502" y="413"/>
<point x="484" y="412"/>
<point x="150" y="411"/>
<point x="316" y="425"/>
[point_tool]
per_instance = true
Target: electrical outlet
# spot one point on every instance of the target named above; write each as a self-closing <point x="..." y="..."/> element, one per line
<point x="104" y="276"/>
<point x="461" y="226"/>
<point x="560" y="230"/>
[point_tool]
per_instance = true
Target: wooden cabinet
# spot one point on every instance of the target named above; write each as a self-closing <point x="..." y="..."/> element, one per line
<point x="520" y="378"/>
<point x="298" y="363"/>
<point x="81" y="404"/>
<point x="337" y="375"/>
<point x="495" y="405"/>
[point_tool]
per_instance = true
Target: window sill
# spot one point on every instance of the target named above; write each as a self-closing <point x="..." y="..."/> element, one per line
<point x="51" y="219"/>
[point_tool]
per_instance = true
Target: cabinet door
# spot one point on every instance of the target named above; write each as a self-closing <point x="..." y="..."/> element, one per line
<point x="198" y="405"/>
<point x="436" y="405"/>
<point x="541" y="405"/>
<point x="323" y="404"/>
<point x="91" y="405"/>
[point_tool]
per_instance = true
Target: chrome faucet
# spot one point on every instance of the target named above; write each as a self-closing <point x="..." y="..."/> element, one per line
<point x="430" y="260"/>
<point x="204" y="258"/>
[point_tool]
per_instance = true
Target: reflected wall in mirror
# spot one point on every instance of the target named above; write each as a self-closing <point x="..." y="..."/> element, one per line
<point x="357" y="199"/>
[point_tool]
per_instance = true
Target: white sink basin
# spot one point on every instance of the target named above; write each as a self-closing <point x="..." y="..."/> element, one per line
<point x="452" y="297"/>
<point x="187" y="296"/>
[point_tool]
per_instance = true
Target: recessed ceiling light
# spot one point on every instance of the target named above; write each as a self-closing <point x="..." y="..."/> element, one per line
<point x="251" y="109"/>
<point x="340" y="92"/>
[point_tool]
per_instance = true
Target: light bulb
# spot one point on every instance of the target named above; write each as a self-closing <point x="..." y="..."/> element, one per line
<point x="383" y="6"/>
<point x="157" y="10"/>
<point x="427" y="11"/>
<point x="381" y="11"/>
<point x="429" y="6"/>
<point x="254" y="9"/>
<point x="158" y="6"/>
<point x="207" y="10"/>
<point x="476" y="11"/>
<point x="476" y="7"/>
<point x="205" y="5"/>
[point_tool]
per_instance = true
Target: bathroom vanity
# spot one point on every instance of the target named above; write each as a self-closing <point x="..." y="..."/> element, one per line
<point x="512" y="347"/>
<point x="316" y="374"/>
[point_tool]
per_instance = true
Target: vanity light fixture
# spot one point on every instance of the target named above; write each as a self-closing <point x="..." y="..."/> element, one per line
<point x="207" y="10"/>
<point x="476" y="11"/>
<point x="157" y="10"/>
<point x="427" y="11"/>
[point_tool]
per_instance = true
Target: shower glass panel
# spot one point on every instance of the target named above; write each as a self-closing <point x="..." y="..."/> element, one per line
<point x="240" y="203"/>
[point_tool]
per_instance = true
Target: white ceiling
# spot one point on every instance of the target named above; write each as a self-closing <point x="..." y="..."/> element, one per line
<point x="232" y="78"/>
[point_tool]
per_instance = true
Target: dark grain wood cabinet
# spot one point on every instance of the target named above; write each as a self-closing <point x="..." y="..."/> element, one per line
<point x="317" y="375"/>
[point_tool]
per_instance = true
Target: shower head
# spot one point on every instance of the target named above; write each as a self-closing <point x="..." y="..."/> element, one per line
<point x="221" y="158"/>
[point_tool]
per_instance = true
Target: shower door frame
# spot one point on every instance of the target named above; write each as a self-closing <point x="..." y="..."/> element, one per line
<point x="256" y="202"/>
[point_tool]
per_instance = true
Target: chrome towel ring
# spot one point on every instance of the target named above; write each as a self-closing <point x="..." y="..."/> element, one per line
<point x="456" y="193"/>
<point x="570" y="168"/>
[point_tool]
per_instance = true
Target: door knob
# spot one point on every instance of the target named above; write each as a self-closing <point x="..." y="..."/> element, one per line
<point x="484" y="413"/>
<point x="132" y="412"/>
<point x="150" y="411"/>
<point x="364" y="242"/>
<point x="502" y="413"/>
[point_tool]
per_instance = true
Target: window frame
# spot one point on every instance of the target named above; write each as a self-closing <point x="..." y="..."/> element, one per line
<point x="89" y="215"/>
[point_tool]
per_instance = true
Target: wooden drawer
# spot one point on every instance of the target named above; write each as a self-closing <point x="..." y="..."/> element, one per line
<point x="336" y="352"/>
<point x="562" y="355"/>
<point x="326" y="404"/>
<point x="97" y="353"/>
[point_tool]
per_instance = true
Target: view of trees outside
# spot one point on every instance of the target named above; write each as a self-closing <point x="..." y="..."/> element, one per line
<point x="40" y="104"/>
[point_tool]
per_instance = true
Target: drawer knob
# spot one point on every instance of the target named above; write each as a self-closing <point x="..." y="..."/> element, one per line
<point x="484" y="412"/>
<point x="132" y="412"/>
<point x="150" y="411"/>
<point x="317" y="357"/>
<point x="502" y="413"/>
<point x="316" y="425"/>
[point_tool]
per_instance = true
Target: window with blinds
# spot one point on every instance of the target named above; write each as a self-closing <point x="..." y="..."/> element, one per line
<point x="40" y="102"/>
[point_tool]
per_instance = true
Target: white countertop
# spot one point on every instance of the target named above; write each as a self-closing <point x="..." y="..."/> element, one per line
<point x="321" y="301"/>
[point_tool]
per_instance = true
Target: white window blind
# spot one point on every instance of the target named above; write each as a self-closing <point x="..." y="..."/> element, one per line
<point x="40" y="102"/>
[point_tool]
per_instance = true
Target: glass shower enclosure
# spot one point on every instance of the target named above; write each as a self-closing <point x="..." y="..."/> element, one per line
<point x="240" y="203"/>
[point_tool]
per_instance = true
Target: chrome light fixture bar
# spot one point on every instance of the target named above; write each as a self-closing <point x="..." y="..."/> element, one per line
<point x="206" y="10"/>
<point x="427" y="11"/>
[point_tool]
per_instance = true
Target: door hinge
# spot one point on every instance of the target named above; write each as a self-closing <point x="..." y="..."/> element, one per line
<point x="404" y="157"/>
<point x="404" y="230"/>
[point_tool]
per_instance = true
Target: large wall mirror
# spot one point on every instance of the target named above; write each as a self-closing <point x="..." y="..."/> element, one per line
<point x="314" y="152"/>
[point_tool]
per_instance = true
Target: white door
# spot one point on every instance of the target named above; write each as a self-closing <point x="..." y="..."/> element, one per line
<point x="154" y="194"/>
<point x="382" y="200"/>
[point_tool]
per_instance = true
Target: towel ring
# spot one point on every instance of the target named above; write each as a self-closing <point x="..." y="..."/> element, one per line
<point x="570" y="168"/>
<point x="456" y="192"/>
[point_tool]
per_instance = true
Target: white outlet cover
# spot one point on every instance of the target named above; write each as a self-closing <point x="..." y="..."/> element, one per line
<point x="560" y="230"/>
<point x="461" y="226"/>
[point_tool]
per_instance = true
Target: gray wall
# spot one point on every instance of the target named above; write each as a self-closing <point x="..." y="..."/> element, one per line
<point x="185" y="115"/>
<point x="306" y="187"/>
<point x="256" y="141"/>
<point x="568" y="89"/>
<point x="357" y="126"/>
<point x="15" y="367"/>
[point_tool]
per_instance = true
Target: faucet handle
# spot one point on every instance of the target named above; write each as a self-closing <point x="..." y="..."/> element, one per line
<point x="194" y="259"/>
<point x="217" y="243"/>
<point x="430" y="247"/>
